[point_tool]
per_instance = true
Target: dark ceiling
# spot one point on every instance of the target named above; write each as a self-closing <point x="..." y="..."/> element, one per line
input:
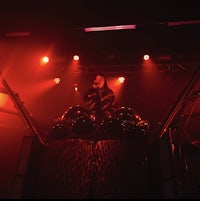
<point x="63" y="22"/>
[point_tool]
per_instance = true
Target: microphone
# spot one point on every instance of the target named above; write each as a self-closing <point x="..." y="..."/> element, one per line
<point x="95" y="84"/>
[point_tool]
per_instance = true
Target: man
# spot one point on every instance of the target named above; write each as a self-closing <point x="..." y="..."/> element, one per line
<point x="100" y="99"/>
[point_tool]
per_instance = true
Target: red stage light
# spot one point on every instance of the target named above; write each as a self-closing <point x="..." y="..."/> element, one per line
<point x="44" y="60"/>
<point x="121" y="80"/>
<point x="75" y="87"/>
<point x="146" y="57"/>
<point x="76" y="57"/>
<point x="57" y="80"/>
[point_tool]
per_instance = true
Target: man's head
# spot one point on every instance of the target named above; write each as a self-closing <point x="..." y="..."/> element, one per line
<point x="100" y="80"/>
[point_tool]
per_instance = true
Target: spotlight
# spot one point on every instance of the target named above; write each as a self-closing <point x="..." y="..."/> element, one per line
<point x="121" y="80"/>
<point x="76" y="57"/>
<point x="146" y="57"/>
<point x="44" y="60"/>
<point x="75" y="87"/>
<point x="57" y="80"/>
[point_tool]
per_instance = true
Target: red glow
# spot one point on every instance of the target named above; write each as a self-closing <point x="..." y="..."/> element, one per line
<point x="18" y="34"/>
<point x="115" y="85"/>
<point x="43" y="87"/>
<point x="74" y="66"/>
<point x="148" y="64"/>
<point x="6" y="104"/>
<point x="3" y="99"/>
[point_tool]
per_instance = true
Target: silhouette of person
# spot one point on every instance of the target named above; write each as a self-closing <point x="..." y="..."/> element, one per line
<point x="100" y="99"/>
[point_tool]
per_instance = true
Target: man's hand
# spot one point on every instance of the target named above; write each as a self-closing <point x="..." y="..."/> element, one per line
<point x="95" y="84"/>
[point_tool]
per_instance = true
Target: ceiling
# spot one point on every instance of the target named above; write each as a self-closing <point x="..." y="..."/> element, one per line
<point x="81" y="13"/>
<point x="62" y="24"/>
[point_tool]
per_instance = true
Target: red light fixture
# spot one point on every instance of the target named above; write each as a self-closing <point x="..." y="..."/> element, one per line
<point x="75" y="87"/>
<point x="146" y="57"/>
<point x="121" y="79"/>
<point x="57" y="80"/>
<point x="44" y="60"/>
<point x="76" y="57"/>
